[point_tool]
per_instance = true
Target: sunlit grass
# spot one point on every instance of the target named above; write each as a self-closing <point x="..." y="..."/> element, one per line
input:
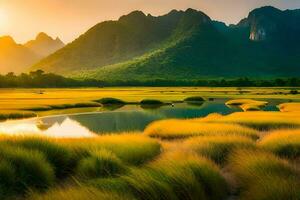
<point x="262" y="175"/>
<point x="177" y="176"/>
<point x="285" y="143"/>
<point x="13" y="114"/>
<point x="133" y="148"/>
<point x="247" y="104"/>
<point x="259" y="120"/>
<point x="218" y="148"/>
<point x="22" y="99"/>
<point x="289" y="107"/>
<point x="174" y="129"/>
<point x="100" y="164"/>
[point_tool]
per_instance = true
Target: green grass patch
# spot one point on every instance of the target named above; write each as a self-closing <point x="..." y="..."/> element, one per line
<point x="61" y="158"/>
<point x="194" y="100"/>
<point x="29" y="168"/>
<point x="100" y="164"/>
<point x="110" y="101"/>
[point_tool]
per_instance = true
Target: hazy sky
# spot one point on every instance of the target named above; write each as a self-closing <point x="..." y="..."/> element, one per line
<point x="23" y="19"/>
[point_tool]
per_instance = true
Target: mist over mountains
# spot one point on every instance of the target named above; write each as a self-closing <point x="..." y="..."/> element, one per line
<point x="19" y="58"/>
<point x="182" y="45"/>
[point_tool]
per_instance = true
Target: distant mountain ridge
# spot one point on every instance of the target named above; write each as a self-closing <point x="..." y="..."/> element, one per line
<point x="44" y="45"/>
<point x="18" y="58"/>
<point x="183" y="45"/>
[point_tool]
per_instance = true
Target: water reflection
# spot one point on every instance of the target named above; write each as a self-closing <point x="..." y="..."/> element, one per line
<point x="126" y="118"/>
<point x="67" y="129"/>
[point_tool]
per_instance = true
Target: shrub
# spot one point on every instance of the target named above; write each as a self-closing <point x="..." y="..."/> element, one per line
<point x="110" y="101"/>
<point x="174" y="129"/>
<point x="101" y="163"/>
<point x="218" y="148"/>
<point x="194" y="100"/>
<point x="285" y="143"/>
<point x="151" y="102"/>
<point x="31" y="167"/>
<point x="294" y="92"/>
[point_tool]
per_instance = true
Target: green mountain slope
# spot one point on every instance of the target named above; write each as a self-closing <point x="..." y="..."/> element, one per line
<point x="183" y="45"/>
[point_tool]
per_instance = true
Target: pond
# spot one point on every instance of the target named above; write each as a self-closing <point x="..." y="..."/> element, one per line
<point x="122" y="119"/>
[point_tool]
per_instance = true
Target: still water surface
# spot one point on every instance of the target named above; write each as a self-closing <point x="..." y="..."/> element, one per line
<point x="127" y="118"/>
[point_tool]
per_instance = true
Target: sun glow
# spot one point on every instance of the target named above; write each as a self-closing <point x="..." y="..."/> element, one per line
<point x="3" y="17"/>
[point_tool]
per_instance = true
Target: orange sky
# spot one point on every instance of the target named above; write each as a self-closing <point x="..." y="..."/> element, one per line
<point x="23" y="19"/>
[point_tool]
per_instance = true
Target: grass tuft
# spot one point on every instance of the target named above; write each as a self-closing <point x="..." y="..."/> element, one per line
<point x="61" y="158"/>
<point x="218" y="148"/>
<point x="247" y="104"/>
<point x="31" y="168"/>
<point x="175" y="129"/>
<point x="285" y="143"/>
<point x="134" y="148"/>
<point x="100" y="164"/>
<point x="177" y="176"/>
<point x="260" y="174"/>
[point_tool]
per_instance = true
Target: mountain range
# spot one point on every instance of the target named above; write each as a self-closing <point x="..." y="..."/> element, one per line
<point x="183" y="45"/>
<point x="20" y="57"/>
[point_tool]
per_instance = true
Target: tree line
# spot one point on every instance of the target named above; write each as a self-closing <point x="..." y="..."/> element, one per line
<point x="40" y="79"/>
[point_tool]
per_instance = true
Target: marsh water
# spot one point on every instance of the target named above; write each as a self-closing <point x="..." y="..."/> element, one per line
<point x="116" y="119"/>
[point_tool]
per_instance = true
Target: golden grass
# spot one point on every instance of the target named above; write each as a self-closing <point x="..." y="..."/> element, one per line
<point x="262" y="175"/>
<point x="20" y="99"/>
<point x="132" y="148"/>
<point x="218" y="148"/>
<point x="259" y="120"/>
<point x="14" y="114"/>
<point x="175" y="129"/>
<point x="178" y="175"/>
<point x="285" y="143"/>
<point x="247" y="104"/>
<point x="289" y="107"/>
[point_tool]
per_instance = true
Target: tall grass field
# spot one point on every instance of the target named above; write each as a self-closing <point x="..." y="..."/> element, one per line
<point x="250" y="154"/>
